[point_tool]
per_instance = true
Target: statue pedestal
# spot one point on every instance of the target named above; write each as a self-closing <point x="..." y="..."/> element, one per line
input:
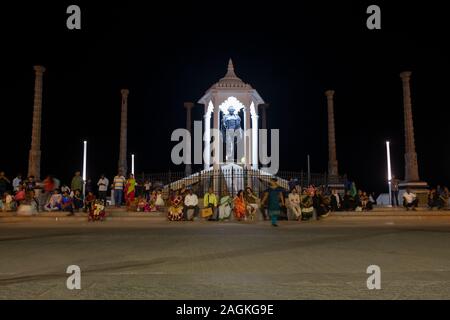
<point x="420" y="188"/>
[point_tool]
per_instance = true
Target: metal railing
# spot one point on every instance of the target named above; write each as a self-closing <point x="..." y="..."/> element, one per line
<point x="232" y="180"/>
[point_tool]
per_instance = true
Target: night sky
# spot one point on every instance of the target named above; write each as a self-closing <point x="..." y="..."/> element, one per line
<point x="171" y="54"/>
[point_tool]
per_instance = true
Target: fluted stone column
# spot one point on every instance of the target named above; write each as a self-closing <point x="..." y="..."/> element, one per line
<point x="411" y="167"/>
<point x="332" y="158"/>
<point x="34" y="160"/>
<point x="188" y="106"/>
<point x="123" y="133"/>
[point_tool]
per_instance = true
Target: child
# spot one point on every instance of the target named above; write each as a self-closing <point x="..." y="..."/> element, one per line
<point x="67" y="203"/>
<point x="97" y="211"/>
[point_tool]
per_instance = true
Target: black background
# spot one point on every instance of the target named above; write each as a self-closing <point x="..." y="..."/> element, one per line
<point x="171" y="52"/>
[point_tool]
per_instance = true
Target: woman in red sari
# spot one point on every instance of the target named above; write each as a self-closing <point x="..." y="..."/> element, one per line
<point x="130" y="188"/>
<point x="239" y="206"/>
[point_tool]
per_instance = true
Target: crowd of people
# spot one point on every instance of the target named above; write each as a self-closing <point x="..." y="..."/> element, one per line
<point x="244" y="206"/>
<point x="275" y="202"/>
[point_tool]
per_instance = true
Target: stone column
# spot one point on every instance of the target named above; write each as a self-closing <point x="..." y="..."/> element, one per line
<point x="411" y="167"/>
<point x="34" y="160"/>
<point x="123" y="133"/>
<point x="332" y="158"/>
<point x="255" y="160"/>
<point x="207" y="137"/>
<point x="189" y="106"/>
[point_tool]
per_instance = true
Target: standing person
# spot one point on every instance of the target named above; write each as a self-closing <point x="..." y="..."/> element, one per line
<point x="118" y="186"/>
<point x="210" y="201"/>
<point x="49" y="187"/>
<point x="102" y="184"/>
<point x="410" y="200"/>
<point x="17" y="182"/>
<point x="147" y="189"/>
<point x="4" y="182"/>
<point x="394" y="191"/>
<point x="130" y="189"/>
<point x="77" y="182"/>
<point x="274" y="196"/>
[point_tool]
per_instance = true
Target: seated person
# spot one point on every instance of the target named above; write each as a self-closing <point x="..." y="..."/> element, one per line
<point x="251" y="201"/>
<point x="159" y="200"/>
<point x="97" y="211"/>
<point x="364" y="200"/>
<point x="306" y="204"/>
<point x="175" y="212"/>
<point x="433" y="199"/>
<point x="410" y="200"/>
<point x="89" y="201"/>
<point x="335" y="201"/>
<point x="321" y="204"/>
<point x="8" y="202"/>
<point x="239" y="206"/>
<point x="368" y="204"/>
<point x="294" y="203"/>
<point x="190" y="203"/>
<point x="444" y="197"/>
<point x="67" y="203"/>
<point x="77" y="200"/>
<point x="225" y="207"/>
<point x="20" y="195"/>
<point x="348" y="203"/>
<point x="54" y="203"/>
<point x="210" y="201"/>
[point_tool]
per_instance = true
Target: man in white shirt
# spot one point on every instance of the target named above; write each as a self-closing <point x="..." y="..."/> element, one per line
<point x="102" y="184"/>
<point x="17" y="182"/>
<point x="190" y="203"/>
<point x="410" y="200"/>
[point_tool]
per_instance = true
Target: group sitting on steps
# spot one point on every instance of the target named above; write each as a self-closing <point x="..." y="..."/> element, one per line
<point x="274" y="204"/>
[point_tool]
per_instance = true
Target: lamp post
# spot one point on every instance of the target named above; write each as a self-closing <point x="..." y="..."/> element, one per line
<point x="388" y="151"/>
<point x="84" y="166"/>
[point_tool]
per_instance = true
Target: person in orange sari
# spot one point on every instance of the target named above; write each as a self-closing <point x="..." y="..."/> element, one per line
<point x="239" y="206"/>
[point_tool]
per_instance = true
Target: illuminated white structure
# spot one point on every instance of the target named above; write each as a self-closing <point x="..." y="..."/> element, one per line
<point x="231" y="91"/>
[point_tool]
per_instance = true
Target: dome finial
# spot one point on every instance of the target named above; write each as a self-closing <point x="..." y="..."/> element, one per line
<point x="230" y="71"/>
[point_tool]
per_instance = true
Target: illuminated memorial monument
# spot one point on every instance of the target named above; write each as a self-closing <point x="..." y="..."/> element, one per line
<point x="230" y="128"/>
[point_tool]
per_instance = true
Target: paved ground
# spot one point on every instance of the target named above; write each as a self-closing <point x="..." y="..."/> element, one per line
<point x="155" y="259"/>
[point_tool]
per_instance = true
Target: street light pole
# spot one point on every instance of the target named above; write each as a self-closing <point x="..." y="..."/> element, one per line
<point x="388" y="150"/>
<point x="84" y="166"/>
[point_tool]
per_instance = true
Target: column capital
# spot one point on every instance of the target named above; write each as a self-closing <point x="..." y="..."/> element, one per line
<point x="125" y="92"/>
<point x="39" y="69"/>
<point x="405" y="75"/>
<point x="188" y="105"/>
<point x="329" y="93"/>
